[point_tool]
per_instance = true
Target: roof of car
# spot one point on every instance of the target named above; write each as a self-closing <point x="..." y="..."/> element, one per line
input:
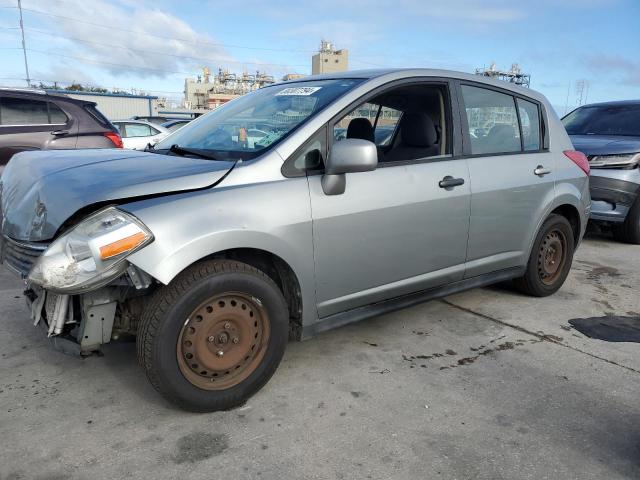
<point x="394" y="73"/>
<point x="39" y="93"/>
<point x="613" y="103"/>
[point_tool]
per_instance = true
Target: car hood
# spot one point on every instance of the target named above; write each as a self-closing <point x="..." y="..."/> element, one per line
<point x="40" y="190"/>
<point x="605" y="144"/>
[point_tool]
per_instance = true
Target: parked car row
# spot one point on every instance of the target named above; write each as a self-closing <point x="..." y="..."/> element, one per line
<point x="287" y="213"/>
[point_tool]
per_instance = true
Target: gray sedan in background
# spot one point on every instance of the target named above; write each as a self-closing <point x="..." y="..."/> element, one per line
<point x="217" y="246"/>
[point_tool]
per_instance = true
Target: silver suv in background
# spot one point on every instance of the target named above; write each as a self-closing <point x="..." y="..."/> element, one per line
<point x="217" y="246"/>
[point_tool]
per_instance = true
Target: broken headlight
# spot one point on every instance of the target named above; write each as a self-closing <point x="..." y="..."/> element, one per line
<point x="92" y="253"/>
<point x="627" y="160"/>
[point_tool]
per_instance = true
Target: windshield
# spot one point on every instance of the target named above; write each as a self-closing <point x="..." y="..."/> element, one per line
<point x="246" y="126"/>
<point x="604" y="120"/>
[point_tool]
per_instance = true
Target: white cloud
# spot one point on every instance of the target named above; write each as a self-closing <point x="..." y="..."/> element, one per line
<point x="119" y="48"/>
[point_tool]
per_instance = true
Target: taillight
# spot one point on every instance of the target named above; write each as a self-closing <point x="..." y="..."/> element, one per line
<point x="579" y="158"/>
<point x="115" y="139"/>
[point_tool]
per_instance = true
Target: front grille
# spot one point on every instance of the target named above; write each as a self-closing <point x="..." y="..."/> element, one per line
<point x="20" y="256"/>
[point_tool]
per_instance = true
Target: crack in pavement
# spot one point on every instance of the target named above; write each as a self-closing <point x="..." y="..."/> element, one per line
<point x="543" y="337"/>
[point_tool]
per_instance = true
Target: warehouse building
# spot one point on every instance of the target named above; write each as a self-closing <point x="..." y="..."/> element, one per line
<point x="117" y="105"/>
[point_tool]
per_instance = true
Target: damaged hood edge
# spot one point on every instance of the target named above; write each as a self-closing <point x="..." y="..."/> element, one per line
<point x="41" y="190"/>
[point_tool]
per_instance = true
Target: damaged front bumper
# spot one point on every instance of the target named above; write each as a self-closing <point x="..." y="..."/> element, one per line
<point x="79" y="323"/>
<point x="76" y="324"/>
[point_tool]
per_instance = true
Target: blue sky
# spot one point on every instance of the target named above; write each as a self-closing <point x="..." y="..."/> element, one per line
<point x="153" y="44"/>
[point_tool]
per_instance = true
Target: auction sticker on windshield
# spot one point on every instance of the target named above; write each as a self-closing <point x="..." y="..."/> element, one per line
<point x="298" y="91"/>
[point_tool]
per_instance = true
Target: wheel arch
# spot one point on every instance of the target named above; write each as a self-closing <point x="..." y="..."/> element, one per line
<point x="286" y="274"/>
<point x="279" y="271"/>
<point x="570" y="212"/>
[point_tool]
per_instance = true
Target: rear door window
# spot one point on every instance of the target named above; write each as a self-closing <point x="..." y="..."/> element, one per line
<point x="492" y="119"/>
<point x="530" y="121"/>
<point x="23" y="111"/>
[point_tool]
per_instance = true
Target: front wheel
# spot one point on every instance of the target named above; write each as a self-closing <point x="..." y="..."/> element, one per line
<point x="550" y="259"/>
<point x="213" y="336"/>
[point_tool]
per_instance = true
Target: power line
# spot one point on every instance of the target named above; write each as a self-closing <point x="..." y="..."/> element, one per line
<point x="138" y="32"/>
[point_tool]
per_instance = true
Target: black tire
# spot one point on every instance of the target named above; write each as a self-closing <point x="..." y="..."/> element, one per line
<point x="629" y="231"/>
<point x="536" y="281"/>
<point x="163" y="321"/>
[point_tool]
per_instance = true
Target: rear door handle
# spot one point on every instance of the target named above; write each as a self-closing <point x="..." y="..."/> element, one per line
<point x="541" y="171"/>
<point x="60" y="132"/>
<point x="450" y="182"/>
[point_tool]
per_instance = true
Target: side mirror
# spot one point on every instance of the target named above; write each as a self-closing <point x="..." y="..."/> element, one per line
<point x="347" y="156"/>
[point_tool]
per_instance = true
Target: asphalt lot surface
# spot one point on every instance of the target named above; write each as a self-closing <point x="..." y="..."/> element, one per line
<point x="487" y="384"/>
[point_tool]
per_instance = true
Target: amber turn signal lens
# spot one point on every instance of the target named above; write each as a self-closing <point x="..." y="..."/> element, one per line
<point x="122" y="245"/>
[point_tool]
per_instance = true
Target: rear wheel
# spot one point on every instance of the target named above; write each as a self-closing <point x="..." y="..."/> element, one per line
<point x="213" y="336"/>
<point x="550" y="259"/>
<point x="629" y="231"/>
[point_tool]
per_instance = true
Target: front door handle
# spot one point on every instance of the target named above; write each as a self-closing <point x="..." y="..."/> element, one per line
<point x="58" y="133"/>
<point x="450" y="182"/>
<point x="541" y="171"/>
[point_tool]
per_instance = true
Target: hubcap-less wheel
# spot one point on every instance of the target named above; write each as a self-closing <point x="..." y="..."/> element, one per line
<point x="223" y="341"/>
<point x="552" y="256"/>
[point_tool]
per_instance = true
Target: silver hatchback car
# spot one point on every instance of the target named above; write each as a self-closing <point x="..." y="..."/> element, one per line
<point x="218" y="245"/>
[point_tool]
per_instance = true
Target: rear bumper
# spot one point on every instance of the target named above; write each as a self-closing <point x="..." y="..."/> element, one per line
<point x="611" y="198"/>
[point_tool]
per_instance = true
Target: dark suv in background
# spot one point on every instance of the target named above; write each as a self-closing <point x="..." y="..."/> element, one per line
<point x="609" y="135"/>
<point x="36" y="120"/>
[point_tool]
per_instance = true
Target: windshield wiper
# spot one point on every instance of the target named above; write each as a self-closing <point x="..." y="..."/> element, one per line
<point x="182" y="151"/>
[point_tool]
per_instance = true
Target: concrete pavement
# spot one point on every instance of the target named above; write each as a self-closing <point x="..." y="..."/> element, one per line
<point x="486" y="384"/>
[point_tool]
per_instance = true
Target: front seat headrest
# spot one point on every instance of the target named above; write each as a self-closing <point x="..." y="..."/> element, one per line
<point x="360" y="128"/>
<point x="418" y="130"/>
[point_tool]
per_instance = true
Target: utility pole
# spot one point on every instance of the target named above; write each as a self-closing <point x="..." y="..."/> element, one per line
<point x="24" y="48"/>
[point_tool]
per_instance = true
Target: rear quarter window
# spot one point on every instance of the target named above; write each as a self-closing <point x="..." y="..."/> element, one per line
<point x="530" y="120"/>
<point x="98" y="116"/>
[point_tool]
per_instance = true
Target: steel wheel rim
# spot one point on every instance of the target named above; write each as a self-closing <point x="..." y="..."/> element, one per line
<point x="223" y="341"/>
<point x="552" y="256"/>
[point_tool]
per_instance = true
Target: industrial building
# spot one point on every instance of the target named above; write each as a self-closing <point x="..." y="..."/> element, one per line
<point x="514" y="75"/>
<point x="329" y="60"/>
<point x="292" y="76"/>
<point x="209" y="92"/>
<point x="117" y="105"/>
